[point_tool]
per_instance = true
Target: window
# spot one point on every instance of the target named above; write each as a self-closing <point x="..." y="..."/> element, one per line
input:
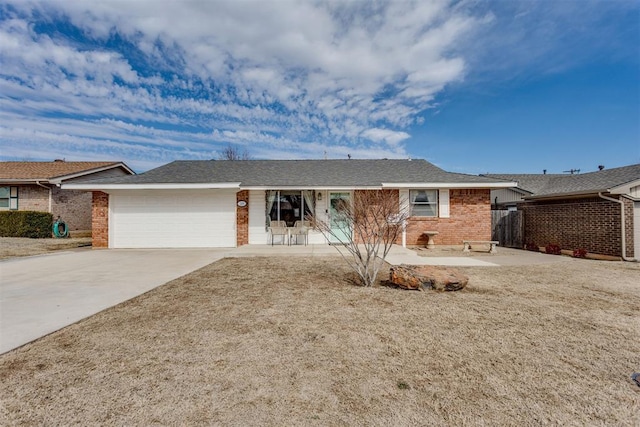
<point x="289" y="206"/>
<point x="8" y="198"/>
<point x="423" y="202"/>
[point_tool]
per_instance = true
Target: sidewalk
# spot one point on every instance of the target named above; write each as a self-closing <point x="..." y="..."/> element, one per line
<point x="398" y="255"/>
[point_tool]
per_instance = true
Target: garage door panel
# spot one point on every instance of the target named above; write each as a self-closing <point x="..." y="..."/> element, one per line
<point x="195" y="219"/>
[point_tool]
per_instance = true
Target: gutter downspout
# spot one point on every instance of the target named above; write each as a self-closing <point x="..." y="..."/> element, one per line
<point x="48" y="188"/>
<point x="622" y="225"/>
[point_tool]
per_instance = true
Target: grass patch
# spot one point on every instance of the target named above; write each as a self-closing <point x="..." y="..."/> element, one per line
<point x="276" y="341"/>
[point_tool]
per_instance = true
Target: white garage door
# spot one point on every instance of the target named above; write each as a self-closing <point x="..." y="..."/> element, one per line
<point x="169" y="219"/>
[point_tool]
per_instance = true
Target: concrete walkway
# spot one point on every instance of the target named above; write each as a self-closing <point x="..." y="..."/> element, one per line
<point x="398" y="255"/>
<point x="41" y="294"/>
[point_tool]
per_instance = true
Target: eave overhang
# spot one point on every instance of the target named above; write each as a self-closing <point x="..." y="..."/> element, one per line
<point x="572" y="195"/>
<point x="59" y="179"/>
<point x="436" y="185"/>
<point x="624" y="188"/>
<point x="24" y="181"/>
<point x="152" y="186"/>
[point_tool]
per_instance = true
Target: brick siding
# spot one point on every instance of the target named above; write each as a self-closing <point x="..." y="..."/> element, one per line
<point x="100" y="220"/>
<point x="242" y="218"/>
<point x="33" y="198"/>
<point x="469" y="219"/>
<point x="73" y="207"/>
<point x="629" y="226"/>
<point x="588" y="223"/>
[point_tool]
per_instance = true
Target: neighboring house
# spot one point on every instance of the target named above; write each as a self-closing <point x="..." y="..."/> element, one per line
<point x="221" y="203"/>
<point x="581" y="211"/>
<point x="528" y="184"/>
<point x="36" y="186"/>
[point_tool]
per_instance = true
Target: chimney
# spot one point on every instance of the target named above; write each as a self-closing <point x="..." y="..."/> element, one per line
<point x="600" y="167"/>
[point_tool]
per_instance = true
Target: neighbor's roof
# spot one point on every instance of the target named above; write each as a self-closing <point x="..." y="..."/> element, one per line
<point x="301" y="174"/>
<point x="541" y="185"/>
<point x="531" y="183"/>
<point x="45" y="171"/>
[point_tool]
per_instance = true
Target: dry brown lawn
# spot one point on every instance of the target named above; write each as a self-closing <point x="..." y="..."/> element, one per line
<point x="275" y="341"/>
<point x="11" y="247"/>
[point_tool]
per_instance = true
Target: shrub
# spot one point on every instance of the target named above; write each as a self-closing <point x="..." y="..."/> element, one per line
<point x="553" y="249"/>
<point x="31" y="224"/>
<point x="532" y="247"/>
<point x="366" y="225"/>
<point x="580" y="253"/>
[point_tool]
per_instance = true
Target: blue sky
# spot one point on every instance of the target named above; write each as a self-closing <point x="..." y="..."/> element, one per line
<point x="472" y="86"/>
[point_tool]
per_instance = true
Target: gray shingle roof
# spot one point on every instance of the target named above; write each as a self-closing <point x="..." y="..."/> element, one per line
<point x="531" y="183"/>
<point x="557" y="184"/>
<point x="303" y="173"/>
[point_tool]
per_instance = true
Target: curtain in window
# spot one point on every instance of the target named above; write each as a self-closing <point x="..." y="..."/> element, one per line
<point x="270" y="200"/>
<point x="309" y="203"/>
<point x="422" y="196"/>
<point x="4" y="197"/>
<point x="424" y="202"/>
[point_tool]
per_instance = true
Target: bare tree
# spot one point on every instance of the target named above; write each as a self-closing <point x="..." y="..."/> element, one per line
<point x="232" y="152"/>
<point x="364" y="228"/>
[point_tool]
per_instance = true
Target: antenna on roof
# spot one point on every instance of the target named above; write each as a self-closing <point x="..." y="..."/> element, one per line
<point x="600" y="167"/>
<point x="544" y="171"/>
<point x="572" y="171"/>
<point x="325" y="154"/>
<point x="349" y="156"/>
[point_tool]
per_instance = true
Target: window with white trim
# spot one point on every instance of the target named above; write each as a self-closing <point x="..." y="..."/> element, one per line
<point x="424" y="202"/>
<point x="8" y="198"/>
<point x="289" y="206"/>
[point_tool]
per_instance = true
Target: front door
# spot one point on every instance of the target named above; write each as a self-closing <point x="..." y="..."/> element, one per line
<point x="340" y="226"/>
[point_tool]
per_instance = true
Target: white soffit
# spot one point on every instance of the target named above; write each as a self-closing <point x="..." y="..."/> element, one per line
<point x="624" y="188"/>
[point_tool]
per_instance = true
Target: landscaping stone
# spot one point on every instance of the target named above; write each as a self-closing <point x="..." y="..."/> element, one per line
<point x="427" y="277"/>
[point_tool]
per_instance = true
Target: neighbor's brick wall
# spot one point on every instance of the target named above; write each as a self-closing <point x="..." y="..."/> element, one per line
<point x="100" y="220"/>
<point x="586" y="223"/>
<point x="469" y="219"/>
<point x="629" y="226"/>
<point x="242" y="218"/>
<point x="33" y="198"/>
<point x="73" y="207"/>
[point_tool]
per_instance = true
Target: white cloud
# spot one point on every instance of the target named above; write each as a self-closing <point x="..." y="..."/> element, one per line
<point x="338" y="74"/>
<point x="391" y="138"/>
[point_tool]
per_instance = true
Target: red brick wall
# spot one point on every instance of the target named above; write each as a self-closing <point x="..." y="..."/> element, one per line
<point x="242" y="218"/>
<point x="469" y="219"/>
<point x="100" y="220"/>
<point x="585" y="223"/>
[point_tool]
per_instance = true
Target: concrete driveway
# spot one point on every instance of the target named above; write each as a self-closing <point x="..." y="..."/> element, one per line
<point x="41" y="294"/>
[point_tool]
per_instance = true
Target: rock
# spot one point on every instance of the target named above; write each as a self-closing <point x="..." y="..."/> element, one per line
<point x="427" y="277"/>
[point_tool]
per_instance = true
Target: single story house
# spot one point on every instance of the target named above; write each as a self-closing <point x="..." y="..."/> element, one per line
<point x="224" y="203"/>
<point x="596" y="211"/>
<point x="36" y="186"/>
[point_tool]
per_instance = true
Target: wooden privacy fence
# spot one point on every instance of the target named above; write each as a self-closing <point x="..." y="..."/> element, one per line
<point x="506" y="227"/>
